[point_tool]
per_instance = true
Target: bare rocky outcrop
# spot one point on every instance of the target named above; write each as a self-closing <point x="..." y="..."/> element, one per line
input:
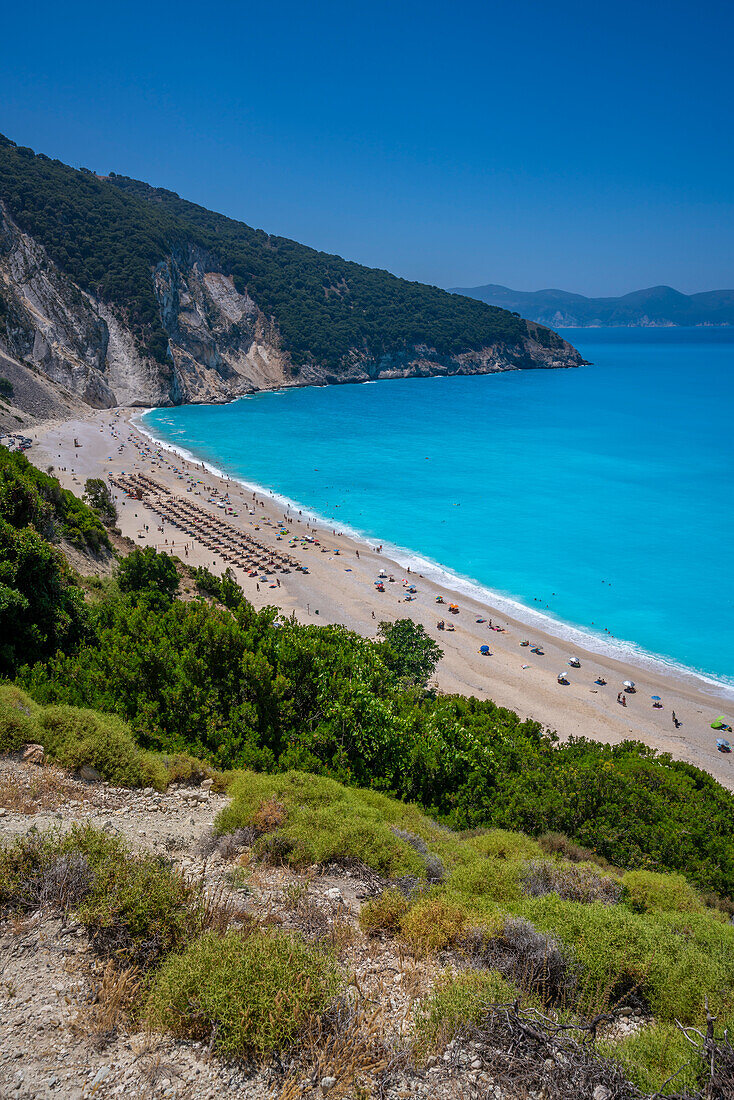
<point x="59" y="346"/>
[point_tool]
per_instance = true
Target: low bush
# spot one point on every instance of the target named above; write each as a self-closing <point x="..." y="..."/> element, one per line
<point x="558" y="844"/>
<point x="139" y="909"/>
<point x="75" y="737"/>
<point x="534" y="961"/>
<point x="35" y="871"/>
<point x="458" y="1000"/>
<point x="657" y="1058"/>
<point x="647" y="891"/>
<point x="574" y="881"/>
<point x="501" y="844"/>
<point x="494" y="881"/>
<point x="136" y="908"/>
<point x="252" y="994"/>
<point x="18" y="725"/>
<point x="665" y="962"/>
<point x="321" y="820"/>
<point x="432" y="924"/>
<point x="382" y="915"/>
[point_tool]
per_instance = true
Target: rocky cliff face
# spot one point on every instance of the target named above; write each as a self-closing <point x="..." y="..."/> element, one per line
<point x="59" y="347"/>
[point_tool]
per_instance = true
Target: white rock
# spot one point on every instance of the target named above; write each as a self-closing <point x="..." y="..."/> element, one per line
<point x="327" y="1083"/>
<point x="601" y="1092"/>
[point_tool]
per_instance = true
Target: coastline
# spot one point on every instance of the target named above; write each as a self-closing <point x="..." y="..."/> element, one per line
<point x="339" y="591"/>
<point x="622" y="650"/>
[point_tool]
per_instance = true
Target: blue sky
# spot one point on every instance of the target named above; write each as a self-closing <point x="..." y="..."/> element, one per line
<point x="579" y="145"/>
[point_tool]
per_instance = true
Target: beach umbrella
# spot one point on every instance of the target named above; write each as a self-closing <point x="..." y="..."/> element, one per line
<point x="656" y="698"/>
<point x="628" y="684"/>
<point x="484" y="649"/>
<point x="718" y="723"/>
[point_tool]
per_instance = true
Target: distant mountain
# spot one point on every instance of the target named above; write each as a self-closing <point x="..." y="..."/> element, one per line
<point x="118" y="292"/>
<point x="658" y="306"/>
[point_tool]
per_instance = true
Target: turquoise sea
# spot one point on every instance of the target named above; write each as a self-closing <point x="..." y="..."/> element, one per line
<point x="600" y="496"/>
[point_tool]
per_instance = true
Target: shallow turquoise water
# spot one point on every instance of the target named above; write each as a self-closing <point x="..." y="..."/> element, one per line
<point x="601" y="496"/>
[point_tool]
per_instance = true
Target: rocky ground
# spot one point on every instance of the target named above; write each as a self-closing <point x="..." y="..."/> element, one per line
<point x="60" y="1033"/>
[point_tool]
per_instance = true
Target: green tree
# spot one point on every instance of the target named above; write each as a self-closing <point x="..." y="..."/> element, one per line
<point x="150" y="573"/>
<point x="41" y="609"/>
<point x="97" y="494"/>
<point x="408" y="651"/>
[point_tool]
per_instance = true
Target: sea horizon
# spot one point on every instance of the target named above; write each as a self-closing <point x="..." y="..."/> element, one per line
<point x="182" y="430"/>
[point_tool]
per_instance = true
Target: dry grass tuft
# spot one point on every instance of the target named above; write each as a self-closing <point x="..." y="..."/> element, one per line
<point x="347" y="1042"/>
<point x="111" y="1007"/>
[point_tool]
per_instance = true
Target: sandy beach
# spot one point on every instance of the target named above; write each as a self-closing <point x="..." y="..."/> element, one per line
<point x="340" y="588"/>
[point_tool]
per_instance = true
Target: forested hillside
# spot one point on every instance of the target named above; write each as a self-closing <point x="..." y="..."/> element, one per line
<point x="157" y="261"/>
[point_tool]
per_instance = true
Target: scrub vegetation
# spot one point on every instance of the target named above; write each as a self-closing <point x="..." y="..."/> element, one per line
<point x="544" y="882"/>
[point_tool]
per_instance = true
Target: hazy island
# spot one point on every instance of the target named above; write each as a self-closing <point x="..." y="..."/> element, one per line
<point x="656" y="307"/>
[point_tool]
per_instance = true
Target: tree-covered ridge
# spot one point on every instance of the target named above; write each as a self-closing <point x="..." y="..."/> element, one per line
<point x="108" y="234"/>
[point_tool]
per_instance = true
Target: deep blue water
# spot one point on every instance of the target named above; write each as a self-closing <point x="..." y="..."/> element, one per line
<point x="601" y="495"/>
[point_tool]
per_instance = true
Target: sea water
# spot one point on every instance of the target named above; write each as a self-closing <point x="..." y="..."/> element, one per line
<point x="599" y="496"/>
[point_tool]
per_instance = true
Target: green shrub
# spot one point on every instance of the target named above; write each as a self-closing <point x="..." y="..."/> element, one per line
<point x="147" y="572"/>
<point x="488" y="881"/>
<point x="652" y="1055"/>
<point x="383" y="914"/>
<point x="139" y="909"/>
<point x="254" y="993"/>
<point x="669" y="961"/>
<point x="458" y="1000"/>
<point x="18" y="725"/>
<point x="501" y="844"/>
<point x="325" y="821"/>
<point x="646" y="891"/>
<point x="73" y="737"/>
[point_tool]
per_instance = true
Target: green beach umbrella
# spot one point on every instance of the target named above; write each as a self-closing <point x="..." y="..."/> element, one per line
<point x="718" y="723"/>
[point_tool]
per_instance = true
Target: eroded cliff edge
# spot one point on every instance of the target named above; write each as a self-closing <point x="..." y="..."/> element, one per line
<point x="61" y="346"/>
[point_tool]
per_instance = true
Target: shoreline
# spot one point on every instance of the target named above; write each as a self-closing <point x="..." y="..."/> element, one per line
<point x="621" y="650"/>
<point x="340" y="588"/>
